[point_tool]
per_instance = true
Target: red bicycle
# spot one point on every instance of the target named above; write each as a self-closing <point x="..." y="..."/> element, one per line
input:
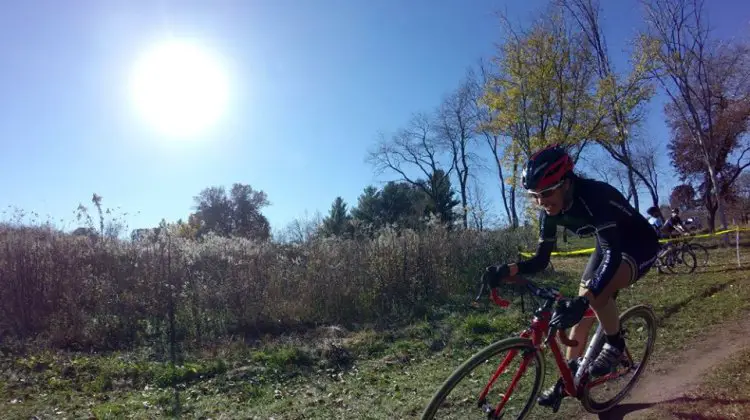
<point x="469" y="390"/>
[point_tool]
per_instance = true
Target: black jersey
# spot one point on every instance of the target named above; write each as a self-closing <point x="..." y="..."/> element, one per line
<point x="597" y="209"/>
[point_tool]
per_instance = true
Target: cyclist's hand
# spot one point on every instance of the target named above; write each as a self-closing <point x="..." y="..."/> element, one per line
<point x="494" y="274"/>
<point x="569" y="312"/>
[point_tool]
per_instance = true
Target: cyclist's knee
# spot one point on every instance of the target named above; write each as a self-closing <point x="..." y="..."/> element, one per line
<point x="623" y="278"/>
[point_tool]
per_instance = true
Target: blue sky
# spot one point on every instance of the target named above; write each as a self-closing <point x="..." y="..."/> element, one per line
<point x="313" y="82"/>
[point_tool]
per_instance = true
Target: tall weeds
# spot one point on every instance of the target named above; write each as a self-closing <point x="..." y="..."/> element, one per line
<point x="89" y="292"/>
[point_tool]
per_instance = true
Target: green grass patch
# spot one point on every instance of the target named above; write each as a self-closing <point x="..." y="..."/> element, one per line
<point x="109" y="411"/>
<point x="284" y="357"/>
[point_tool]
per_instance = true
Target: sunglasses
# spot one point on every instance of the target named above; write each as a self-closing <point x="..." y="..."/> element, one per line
<point x="545" y="193"/>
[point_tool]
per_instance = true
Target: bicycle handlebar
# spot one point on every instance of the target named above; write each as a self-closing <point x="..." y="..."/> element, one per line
<point x="547" y="293"/>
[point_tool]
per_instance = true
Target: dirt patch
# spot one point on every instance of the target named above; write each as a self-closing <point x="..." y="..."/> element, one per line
<point x="668" y="379"/>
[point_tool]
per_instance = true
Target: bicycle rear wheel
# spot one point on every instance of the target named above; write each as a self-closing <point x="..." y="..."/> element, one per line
<point x="637" y="323"/>
<point x="701" y="253"/>
<point x="682" y="261"/>
<point x="469" y="380"/>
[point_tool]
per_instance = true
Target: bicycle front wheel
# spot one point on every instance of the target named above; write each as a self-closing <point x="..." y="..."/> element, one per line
<point x="459" y="396"/>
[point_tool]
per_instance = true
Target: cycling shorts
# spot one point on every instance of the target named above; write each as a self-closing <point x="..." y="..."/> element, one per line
<point x="640" y="257"/>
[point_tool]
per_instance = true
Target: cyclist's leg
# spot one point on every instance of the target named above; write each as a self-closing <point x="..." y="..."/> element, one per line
<point x="579" y="332"/>
<point x="606" y="311"/>
<point x="634" y="266"/>
<point x="603" y="304"/>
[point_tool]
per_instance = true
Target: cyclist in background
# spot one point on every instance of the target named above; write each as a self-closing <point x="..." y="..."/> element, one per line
<point x="674" y="223"/>
<point x="655" y="219"/>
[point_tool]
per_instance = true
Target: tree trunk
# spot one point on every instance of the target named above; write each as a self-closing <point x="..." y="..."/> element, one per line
<point x="514" y="213"/>
<point x="631" y="179"/>
<point x="711" y="220"/>
<point x="493" y="145"/>
<point x="465" y="203"/>
<point x="719" y="205"/>
<point x="711" y="208"/>
<point x="717" y="196"/>
<point x="654" y="197"/>
<point x="633" y="189"/>
<point x="502" y="191"/>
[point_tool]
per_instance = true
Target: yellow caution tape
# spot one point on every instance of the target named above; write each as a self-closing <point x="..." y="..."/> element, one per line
<point x="586" y="251"/>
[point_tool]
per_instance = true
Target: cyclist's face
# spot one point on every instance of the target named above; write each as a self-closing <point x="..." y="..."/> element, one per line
<point x="550" y="199"/>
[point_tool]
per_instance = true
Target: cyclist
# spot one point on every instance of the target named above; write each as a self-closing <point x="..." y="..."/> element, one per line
<point x="655" y="219"/>
<point x="626" y="247"/>
<point x="674" y="223"/>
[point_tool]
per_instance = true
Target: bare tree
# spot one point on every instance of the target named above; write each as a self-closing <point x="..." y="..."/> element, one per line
<point x="484" y="117"/>
<point x="414" y="148"/>
<point x="615" y="175"/>
<point x="645" y="159"/>
<point x="480" y="214"/>
<point x="623" y="98"/>
<point x="455" y="128"/>
<point x="301" y="230"/>
<point x="677" y="45"/>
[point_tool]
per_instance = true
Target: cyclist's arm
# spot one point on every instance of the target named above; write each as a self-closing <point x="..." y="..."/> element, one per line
<point x="540" y="260"/>
<point x="536" y="263"/>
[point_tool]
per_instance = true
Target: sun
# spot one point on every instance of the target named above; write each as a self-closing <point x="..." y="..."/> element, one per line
<point x="179" y="88"/>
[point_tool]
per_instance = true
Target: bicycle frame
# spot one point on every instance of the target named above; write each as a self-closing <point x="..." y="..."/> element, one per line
<point x="539" y="328"/>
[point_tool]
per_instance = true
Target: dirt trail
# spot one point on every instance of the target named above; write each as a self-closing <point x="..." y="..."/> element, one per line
<point x="661" y="383"/>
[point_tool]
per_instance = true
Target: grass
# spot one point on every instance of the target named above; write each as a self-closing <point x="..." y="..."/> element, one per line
<point x="367" y="373"/>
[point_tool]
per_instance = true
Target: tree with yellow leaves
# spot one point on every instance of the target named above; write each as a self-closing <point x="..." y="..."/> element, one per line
<point x="541" y="92"/>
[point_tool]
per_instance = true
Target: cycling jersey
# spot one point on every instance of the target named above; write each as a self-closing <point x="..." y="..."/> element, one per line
<point x="672" y="223"/>
<point x="598" y="209"/>
<point x="656" y="223"/>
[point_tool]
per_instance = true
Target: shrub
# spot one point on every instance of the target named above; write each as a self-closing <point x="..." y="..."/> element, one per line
<point x="88" y="292"/>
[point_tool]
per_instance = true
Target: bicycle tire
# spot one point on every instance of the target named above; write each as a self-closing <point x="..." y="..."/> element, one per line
<point x="699" y="251"/>
<point x="477" y="359"/>
<point x="648" y="314"/>
<point x="683" y="253"/>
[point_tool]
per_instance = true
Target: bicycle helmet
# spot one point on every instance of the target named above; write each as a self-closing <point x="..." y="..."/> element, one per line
<point x="546" y="168"/>
<point x="653" y="211"/>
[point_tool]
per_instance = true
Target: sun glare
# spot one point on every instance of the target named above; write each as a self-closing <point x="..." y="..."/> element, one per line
<point x="179" y="89"/>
